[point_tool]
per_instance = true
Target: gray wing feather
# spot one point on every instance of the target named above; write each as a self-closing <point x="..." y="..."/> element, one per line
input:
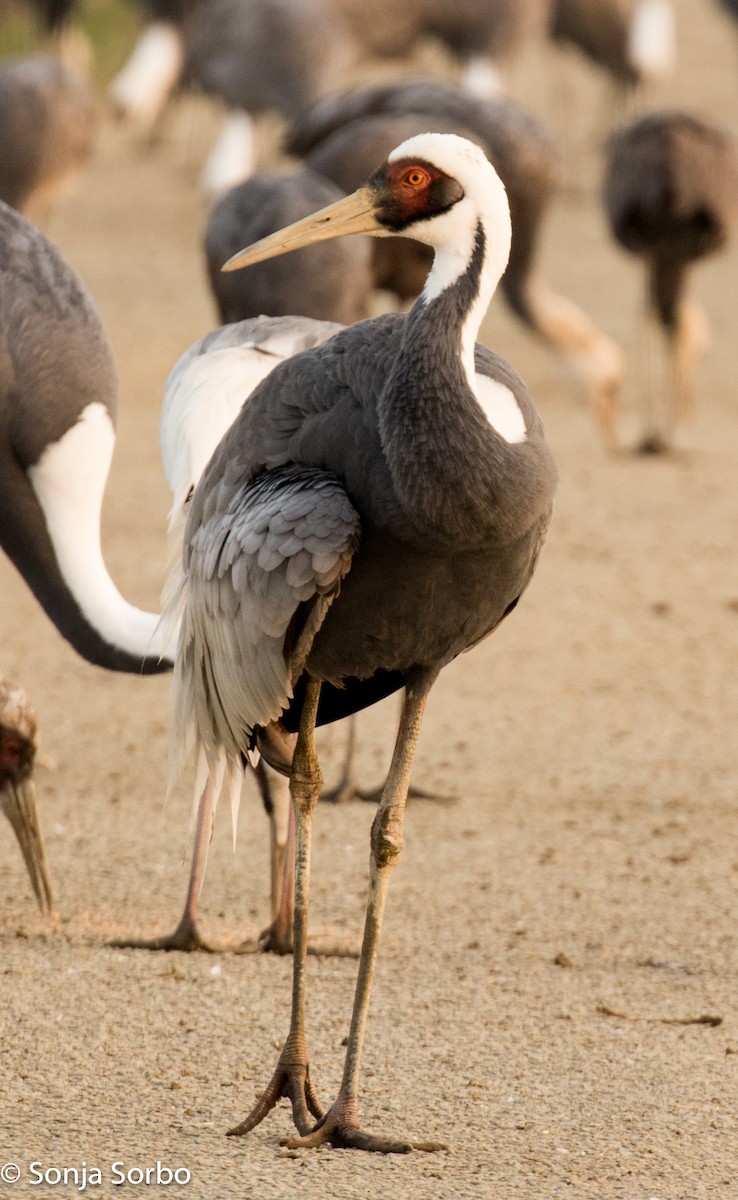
<point x="281" y="541"/>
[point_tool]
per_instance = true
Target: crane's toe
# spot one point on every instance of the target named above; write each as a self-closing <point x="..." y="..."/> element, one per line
<point x="653" y="443"/>
<point x="291" y="1079"/>
<point x="346" y="790"/>
<point x="186" y="937"/>
<point x="340" y="1128"/>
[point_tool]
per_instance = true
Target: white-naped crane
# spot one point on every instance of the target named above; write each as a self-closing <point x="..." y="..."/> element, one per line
<point x="47" y="127"/>
<point x="342" y="136"/>
<point x="58" y="400"/>
<point x="671" y="197"/>
<point x="252" y="56"/>
<point x="377" y="508"/>
<point x="18" y="747"/>
<point x="329" y="282"/>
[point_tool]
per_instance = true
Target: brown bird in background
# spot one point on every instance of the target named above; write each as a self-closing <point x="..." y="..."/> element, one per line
<point x="671" y="196"/>
<point x="47" y="126"/>
<point x="18" y="746"/>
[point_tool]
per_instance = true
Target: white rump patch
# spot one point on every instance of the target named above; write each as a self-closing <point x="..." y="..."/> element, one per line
<point x="231" y="160"/>
<point x="652" y="40"/>
<point x="481" y="77"/>
<point x="500" y="408"/>
<point x="143" y="86"/>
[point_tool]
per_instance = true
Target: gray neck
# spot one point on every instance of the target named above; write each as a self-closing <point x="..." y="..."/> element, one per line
<point x="440" y="448"/>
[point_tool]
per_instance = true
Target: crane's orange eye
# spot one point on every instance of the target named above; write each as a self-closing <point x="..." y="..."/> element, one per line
<point x="415" y="178"/>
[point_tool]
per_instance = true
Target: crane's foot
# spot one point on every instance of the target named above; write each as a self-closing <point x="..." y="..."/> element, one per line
<point x="340" y="1128"/>
<point x="346" y="790"/>
<point x="186" y="938"/>
<point x="653" y="443"/>
<point x="291" y="1079"/>
<point x="277" y="938"/>
<point x="269" y="941"/>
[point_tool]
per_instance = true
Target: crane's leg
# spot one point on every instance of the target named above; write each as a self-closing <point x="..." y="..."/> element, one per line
<point x="690" y="340"/>
<point x="275" y="790"/>
<point x="279" y="935"/>
<point x="186" y="936"/>
<point x="292" y="1075"/>
<point x="340" y="1125"/>
<point x="346" y="787"/>
<point x="654" y="388"/>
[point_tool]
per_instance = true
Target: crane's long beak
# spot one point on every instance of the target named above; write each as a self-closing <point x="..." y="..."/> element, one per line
<point x="19" y="805"/>
<point x="354" y="214"/>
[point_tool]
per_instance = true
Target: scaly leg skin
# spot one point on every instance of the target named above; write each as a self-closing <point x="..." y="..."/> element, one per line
<point x="278" y="937"/>
<point x="292" y="1075"/>
<point x="186" y="936"/>
<point x="340" y="1125"/>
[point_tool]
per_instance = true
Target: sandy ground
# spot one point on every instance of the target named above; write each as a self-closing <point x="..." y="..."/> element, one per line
<point x="588" y="858"/>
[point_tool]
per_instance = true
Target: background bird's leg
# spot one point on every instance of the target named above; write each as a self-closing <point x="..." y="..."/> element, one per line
<point x="682" y="336"/>
<point x="652" y="385"/>
<point x="689" y="342"/>
<point x="186" y="936"/>
<point x="348" y="789"/>
<point x="345" y="787"/>
<point x="292" y="1075"/>
<point x="278" y="935"/>
<point x="340" y="1126"/>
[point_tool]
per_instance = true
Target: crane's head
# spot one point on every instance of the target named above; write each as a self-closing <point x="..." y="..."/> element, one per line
<point x="435" y="187"/>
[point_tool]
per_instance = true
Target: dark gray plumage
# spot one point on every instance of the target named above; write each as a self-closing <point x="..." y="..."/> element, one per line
<point x="376" y="508"/>
<point x="328" y="282"/>
<point x="58" y="397"/>
<point x="262" y="55"/>
<point x="671" y="197"/>
<point x="174" y="12"/>
<point x="47" y="124"/>
<point x="342" y="136"/>
<point x="253" y="56"/>
<point x="469" y="29"/>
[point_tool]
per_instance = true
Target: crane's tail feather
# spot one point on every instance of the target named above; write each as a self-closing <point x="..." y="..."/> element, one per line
<point x="220" y="775"/>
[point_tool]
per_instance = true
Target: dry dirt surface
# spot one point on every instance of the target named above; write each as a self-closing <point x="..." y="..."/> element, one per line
<point x="557" y="930"/>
